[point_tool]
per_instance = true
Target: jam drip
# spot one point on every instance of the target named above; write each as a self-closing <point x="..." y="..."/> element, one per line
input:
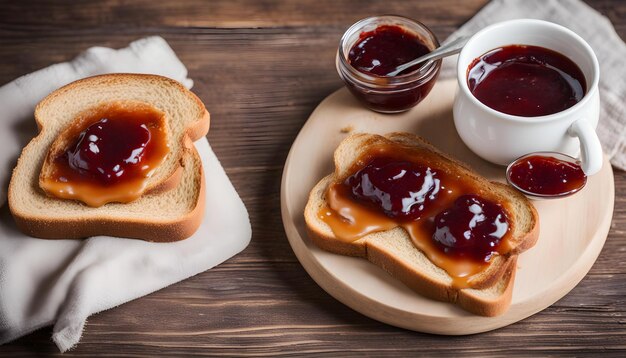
<point x="547" y="175"/>
<point x="399" y="188"/>
<point x="391" y="186"/>
<point x="472" y="227"/>
<point x="110" y="149"/>
<point x="381" y="50"/>
<point x="526" y="81"/>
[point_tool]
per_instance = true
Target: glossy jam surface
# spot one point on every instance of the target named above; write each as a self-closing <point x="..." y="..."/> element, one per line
<point x="110" y="149"/>
<point x="527" y="81"/>
<point x="111" y="152"/>
<point x="472" y="227"/>
<point x="400" y="189"/>
<point x="381" y="50"/>
<point x="547" y="175"/>
<point x="377" y="52"/>
<point x="391" y="185"/>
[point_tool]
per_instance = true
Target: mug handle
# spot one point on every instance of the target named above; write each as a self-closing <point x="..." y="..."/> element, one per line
<point x="590" y="147"/>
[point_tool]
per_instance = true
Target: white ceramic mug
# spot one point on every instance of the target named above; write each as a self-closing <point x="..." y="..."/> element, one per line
<point x="501" y="138"/>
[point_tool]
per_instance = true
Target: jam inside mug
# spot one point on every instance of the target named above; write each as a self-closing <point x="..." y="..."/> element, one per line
<point x="500" y="137"/>
<point x="526" y="81"/>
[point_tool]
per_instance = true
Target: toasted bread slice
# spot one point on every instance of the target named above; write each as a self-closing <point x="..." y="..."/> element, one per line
<point x="173" y="203"/>
<point x="393" y="250"/>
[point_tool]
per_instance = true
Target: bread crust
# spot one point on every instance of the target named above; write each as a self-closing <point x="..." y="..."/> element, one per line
<point x="153" y="231"/>
<point x="199" y="129"/>
<point x="157" y="230"/>
<point x="500" y="273"/>
<point x="194" y="133"/>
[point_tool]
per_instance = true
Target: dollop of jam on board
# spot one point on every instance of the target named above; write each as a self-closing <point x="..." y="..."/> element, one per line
<point x="391" y="185"/>
<point x="527" y="81"/>
<point x="111" y="152"/>
<point x="381" y="50"/>
<point x="544" y="175"/>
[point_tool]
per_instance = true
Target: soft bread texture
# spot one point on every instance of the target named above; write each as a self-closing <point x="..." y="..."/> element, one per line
<point x="393" y="250"/>
<point x="172" y="207"/>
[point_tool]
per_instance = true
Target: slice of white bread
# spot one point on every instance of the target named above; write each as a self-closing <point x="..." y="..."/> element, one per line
<point x="171" y="208"/>
<point x="393" y="250"/>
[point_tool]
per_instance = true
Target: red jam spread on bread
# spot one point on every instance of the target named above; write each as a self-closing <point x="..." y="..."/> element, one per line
<point x="452" y="221"/>
<point x="381" y="50"/>
<point x="472" y="227"/>
<point x="401" y="189"/>
<point x="543" y="175"/>
<point x="109" y="154"/>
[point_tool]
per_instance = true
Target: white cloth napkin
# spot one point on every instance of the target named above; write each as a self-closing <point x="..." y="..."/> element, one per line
<point x="597" y="30"/>
<point x="62" y="282"/>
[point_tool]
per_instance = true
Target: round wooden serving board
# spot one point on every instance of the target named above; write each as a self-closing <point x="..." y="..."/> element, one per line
<point x="573" y="230"/>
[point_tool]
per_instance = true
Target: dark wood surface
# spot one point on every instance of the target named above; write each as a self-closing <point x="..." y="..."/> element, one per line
<point x="261" y="67"/>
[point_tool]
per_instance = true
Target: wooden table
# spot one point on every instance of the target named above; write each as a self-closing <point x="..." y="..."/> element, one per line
<point x="261" y="67"/>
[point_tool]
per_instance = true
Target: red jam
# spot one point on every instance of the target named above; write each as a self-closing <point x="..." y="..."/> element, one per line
<point x="103" y="153"/>
<point x="472" y="227"/>
<point x="376" y="53"/>
<point x="380" y="51"/>
<point x="451" y="221"/>
<point x="112" y="150"/>
<point x="400" y="189"/>
<point x="527" y="81"/>
<point x="547" y="175"/>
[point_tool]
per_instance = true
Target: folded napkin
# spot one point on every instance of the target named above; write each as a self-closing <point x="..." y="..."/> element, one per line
<point x="62" y="282"/>
<point x="597" y="31"/>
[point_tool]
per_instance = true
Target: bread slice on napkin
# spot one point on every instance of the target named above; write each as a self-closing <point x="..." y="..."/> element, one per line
<point x="170" y="209"/>
<point x="490" y="290"/>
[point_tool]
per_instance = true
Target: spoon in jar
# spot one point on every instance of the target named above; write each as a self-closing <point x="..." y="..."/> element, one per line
<point x="448" y="49"/>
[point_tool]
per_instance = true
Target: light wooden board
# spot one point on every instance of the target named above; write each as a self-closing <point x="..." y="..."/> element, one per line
<point x="573" y="230"/>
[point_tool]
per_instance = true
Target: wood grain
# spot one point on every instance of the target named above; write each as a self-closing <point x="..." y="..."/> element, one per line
<point x="261" y="67"/>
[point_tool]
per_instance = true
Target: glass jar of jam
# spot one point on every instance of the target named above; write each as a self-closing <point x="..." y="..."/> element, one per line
<point x="373" y="47"/>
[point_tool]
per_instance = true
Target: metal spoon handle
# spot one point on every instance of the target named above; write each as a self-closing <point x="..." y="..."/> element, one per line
<point x="448" y="49"/>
